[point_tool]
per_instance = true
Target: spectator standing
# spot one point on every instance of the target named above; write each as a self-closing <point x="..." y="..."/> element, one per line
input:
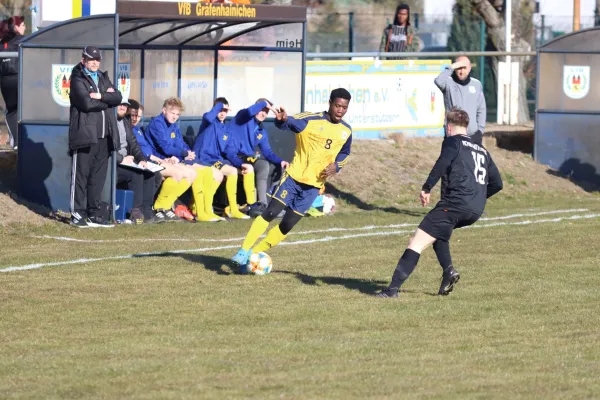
<point x="11" y="33"/>
<point x="466" y="93"/>
<point x="399" y="37"/>
<point x="93" y="133"/>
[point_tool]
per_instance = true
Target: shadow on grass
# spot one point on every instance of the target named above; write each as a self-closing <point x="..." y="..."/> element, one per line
<point x="224" y="266"/>
<point x="355" y="201"/>
<point x="362" y="285"/>
<point x="580" y="173"/>
<point x="219" y="265"/>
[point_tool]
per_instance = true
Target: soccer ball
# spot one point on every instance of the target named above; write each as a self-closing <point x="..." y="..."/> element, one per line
<point x="328" y="204"/>
<point x="259" y="264"/>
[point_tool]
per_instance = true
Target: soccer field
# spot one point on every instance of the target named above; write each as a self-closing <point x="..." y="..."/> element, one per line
<point x="159" y="312"/>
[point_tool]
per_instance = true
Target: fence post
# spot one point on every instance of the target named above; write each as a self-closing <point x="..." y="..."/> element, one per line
<point x="351" y="31"/>
<point x="482" y="48"/>
<point x="417" y="20"/>
<point x="543" y="29"/>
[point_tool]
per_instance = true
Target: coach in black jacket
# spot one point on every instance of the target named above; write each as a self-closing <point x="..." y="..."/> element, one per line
<point x="93" y="134"/>
<point x="141" y="183"/>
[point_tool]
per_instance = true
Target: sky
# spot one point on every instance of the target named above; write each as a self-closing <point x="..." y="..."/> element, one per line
<point x="554" y="8"/>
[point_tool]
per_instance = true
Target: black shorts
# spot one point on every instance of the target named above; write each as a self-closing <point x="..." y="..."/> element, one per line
<point x="441" y="221"/>
<point x="248" y="160"/>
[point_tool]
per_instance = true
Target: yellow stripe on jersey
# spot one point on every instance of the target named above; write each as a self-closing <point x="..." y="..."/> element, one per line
<point x="343" y="162"/>
<point x="306" y="115"/>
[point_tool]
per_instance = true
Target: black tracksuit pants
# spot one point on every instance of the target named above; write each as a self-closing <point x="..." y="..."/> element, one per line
<point x="142" y="184"/>
<point x="10" y="92"/>
<point x="88" y="174"/>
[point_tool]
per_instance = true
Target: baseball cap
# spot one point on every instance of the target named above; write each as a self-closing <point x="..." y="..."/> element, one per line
<point x="91" y="52"/>
<point x="125" y="101"/>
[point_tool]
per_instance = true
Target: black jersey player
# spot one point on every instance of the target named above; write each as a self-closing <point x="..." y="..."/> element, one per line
<point x="472" y="178"/>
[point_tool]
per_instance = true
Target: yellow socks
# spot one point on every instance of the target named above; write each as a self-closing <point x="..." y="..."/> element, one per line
<point x="249" y="188"/>
<point x="259" y="226"/>
<point x="199" y="191"/>
<point x="210" y="187"/>
<point x="273" y="238"/>
<point x="231" y="189"/>
<point x="169" y="192"/>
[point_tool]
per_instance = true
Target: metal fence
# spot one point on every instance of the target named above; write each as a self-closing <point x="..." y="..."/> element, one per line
<point x="486" y="75"/>
<point x="362" y="30"/>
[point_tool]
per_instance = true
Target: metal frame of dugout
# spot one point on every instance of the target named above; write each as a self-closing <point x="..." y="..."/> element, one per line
<point x="567" y="112"/>
<point x="195" y="51"/>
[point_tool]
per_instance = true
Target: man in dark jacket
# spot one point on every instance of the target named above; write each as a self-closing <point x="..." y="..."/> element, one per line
<point x="11" y="34"/>
<point x="93" y="133"/>
<point x="130" y="154"/>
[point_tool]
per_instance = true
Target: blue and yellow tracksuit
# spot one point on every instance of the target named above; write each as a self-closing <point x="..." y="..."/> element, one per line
<point x="246" y="133"/>
<point x="166" y="139"/>
<point x="209" y="148"/>
<point x="142" y="141"/>
<point x="212" y="139"/>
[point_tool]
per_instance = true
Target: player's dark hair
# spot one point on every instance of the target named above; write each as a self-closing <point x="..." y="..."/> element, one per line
<point x="457" y="117"/>
<point x="221" y="100"/>
<point x="133" y="104"/>
<point x="402" y="7"/>
<point x="340" y="93"/>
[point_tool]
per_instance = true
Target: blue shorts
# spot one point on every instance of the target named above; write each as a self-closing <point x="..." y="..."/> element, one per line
<point x="295" y="195"/>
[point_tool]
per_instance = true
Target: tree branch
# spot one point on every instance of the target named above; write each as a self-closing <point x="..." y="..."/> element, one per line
<point x="489" y="14"/>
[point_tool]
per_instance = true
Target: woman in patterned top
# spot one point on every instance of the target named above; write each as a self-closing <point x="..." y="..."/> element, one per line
<point x="399" y="37"/>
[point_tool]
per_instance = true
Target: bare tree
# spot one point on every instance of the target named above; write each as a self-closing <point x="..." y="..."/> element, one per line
<point x="8" y="8"/>
<point x="493" y="15"/>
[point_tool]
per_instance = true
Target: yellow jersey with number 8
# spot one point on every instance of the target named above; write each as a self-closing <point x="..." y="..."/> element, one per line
<point x="319" y="142"/>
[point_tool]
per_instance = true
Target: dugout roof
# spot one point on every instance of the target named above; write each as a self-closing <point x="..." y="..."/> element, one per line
<point x="153" y="50"/>
<point x="161" y="23"/>
<point x="242" y="52"/>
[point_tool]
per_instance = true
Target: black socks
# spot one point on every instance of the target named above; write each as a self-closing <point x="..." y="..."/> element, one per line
<point x="442" y="251"/>
<point x="406" y="265"/>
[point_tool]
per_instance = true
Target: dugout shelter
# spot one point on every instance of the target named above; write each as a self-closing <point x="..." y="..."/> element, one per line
<point x="154" y="50"/>
<point x="568" y="106"/>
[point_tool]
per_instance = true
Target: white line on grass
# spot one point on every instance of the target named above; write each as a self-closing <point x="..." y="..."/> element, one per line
<point x="298" y="242"/>
<point x="362" y="228"/>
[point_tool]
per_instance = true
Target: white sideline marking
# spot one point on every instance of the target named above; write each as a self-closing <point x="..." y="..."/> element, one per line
<point x="537" y="221"/>
<point x="69" y="239"/>
<point x="362" y="228"/>
<point x="535" y="214"/>
<point x="298" y="242"/>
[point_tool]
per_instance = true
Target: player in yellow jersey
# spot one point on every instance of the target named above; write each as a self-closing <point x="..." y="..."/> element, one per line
<point x="323" y="144"/>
